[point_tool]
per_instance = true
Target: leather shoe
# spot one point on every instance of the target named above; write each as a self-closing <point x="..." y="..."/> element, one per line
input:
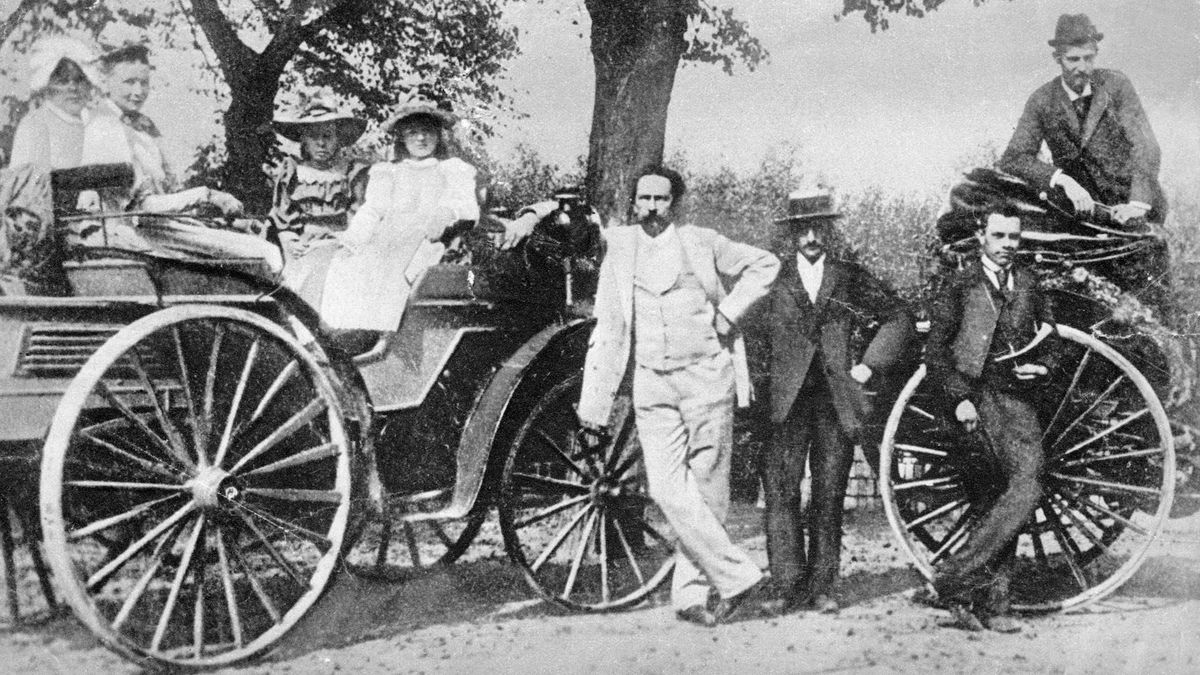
<point x="698" y="615"/>
<point x="962" y="619"/>
<point x="1002" y="623"/>
<point x="750" y="602"/>
<point x="825" y="604"/>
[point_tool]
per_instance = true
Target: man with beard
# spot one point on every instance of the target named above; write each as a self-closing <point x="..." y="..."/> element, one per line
<point x="1101" y="143"/>
<point x="983" y="352"/>
<point x="818" y="406"/>
<point x="661" y="309"/>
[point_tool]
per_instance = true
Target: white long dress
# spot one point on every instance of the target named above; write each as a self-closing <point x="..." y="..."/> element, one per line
<point x="391" y="239"/>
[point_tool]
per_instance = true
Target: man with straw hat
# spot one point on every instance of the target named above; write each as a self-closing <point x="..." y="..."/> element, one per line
<point x="1103" y="149"/>
<point x="818" y="406"/>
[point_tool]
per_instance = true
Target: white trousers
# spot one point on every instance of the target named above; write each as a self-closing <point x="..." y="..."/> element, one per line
<point x="685" y="423"/>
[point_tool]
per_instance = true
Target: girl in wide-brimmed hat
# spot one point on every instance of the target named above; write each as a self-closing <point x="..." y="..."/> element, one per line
<point x="410" y="205"/>
<point x="317" y="192"/>
<point x="63" y="76"/>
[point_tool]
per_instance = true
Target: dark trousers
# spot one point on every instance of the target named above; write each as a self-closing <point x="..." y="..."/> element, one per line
<point x="810" y="432"/>
<point x="977" y="573"/>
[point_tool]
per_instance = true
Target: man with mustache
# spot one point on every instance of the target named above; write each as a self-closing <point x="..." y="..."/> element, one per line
<point x="818" y="407"/>
<point x="982" y="314"/>
<point x="1102" y="146"/>
<point x="662" y="310"/>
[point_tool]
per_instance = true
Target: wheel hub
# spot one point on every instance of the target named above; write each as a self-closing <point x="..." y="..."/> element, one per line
<point x="210" y="485"/>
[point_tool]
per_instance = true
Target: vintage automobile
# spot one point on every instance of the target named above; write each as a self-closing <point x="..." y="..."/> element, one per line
<point x="205" y="455"/>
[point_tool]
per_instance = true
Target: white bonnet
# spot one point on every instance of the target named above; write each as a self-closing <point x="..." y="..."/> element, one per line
<point x="47" y="52"/>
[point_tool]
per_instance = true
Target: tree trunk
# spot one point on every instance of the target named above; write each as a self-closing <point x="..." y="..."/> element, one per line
<point x="636" y="49"/>
<point x="247" y="143"/>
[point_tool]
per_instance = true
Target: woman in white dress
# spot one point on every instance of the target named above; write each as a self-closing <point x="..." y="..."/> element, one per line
<point x="63" y="77"/>
<point x="409" y="205"/>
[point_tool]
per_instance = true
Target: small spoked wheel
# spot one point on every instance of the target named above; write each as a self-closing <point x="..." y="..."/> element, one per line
<point x="1107" y="481"/>
<point x="577" y="519"/>
<point x="397" y="545"/>
<point x="195" y="487"/>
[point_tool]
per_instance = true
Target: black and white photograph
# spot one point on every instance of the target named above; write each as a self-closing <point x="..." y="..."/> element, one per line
<point x="335" y="336"/>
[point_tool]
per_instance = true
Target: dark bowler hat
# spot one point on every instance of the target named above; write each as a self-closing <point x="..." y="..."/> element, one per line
<point x="1073" y="30"/>
<point x="809" y="204"/>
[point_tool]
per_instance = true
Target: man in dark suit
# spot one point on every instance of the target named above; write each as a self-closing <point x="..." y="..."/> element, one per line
<point x="1092" y="120"/>
<point x="990" y="347"/>
<point x="817" y="403"/>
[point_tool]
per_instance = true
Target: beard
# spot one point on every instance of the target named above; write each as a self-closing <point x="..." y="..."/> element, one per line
<point x="653" y="224"/>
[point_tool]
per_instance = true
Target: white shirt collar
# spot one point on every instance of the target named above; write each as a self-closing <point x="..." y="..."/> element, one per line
<point x="1072" y="94"/>
<point x="990" y="267"/>
<point x="663" y="237"/>
<point x="811" y="274"/>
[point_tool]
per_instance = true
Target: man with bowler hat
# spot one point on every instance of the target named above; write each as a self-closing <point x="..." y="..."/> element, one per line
<point x="818" y="406"/>
<point x="1103" y="149"/>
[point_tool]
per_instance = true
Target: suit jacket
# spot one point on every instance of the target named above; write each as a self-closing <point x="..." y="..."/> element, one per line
<point x="972" y="322"/>
<point x="849" y="298"/>
<point x="710" y="256"/>
<point x="1113" y="153"/>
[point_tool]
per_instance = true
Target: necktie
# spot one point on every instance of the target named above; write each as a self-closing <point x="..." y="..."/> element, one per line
<point x="1081" y="106"/>
<point x="1002" y="279"/>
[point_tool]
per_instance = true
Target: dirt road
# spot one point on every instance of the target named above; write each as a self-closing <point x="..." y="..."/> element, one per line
<point x="477" y="617"/>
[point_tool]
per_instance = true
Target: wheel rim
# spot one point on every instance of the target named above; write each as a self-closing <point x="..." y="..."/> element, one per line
<point x="1108" y="479"/>
<point x="397" y="546"/>
<point x="195" y="487"/>
<point x="578" y="520"/>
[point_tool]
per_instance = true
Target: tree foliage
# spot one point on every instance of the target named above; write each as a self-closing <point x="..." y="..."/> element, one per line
<point x="875" y="12"/>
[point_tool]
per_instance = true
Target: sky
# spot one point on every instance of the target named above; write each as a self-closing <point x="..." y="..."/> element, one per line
<point x="902" y="109"/>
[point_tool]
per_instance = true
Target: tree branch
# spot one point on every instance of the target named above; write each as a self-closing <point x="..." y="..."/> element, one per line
<point x="14" y="19"/>
<point x="233" y="55"/>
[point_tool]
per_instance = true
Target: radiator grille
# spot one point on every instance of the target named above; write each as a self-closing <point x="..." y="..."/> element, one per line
<point x="59" y="351"/>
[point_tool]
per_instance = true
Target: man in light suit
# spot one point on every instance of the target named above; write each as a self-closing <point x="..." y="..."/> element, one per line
<point x="818" y="407"/>
<point x="661" y="309"/>
<point x="1101" y="143"/>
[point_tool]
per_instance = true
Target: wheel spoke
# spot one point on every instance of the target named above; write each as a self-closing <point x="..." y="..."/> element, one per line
<point x="955" y="535"/>
<point x="113" y="400"/>
<point x="410" y="540"/>
<point x="101" y="574"/>
<point x="1105" y="484"/>
<point x="210" y="383"/>
<point x="1039" y="548"/>
<point x="1069" y="549"/>
<point x="153" y="466"/>
<point x="551" y="510"/>
<point x="948" y="481"/>
<point x="135" y="593"/>
<point x="1088" y="503"/>
<point x="1091" y="407"/>
<point x="316" y="538"/>
<point x="296" y="494"/>
<point x="562" y="454"/>
<point x="256" y="585"/>
<point x="235" y="618"/>
<point x="605" y="596"/>
<point x="164" y="419"/>
<point x="644" y="526"/>
<point x="177" y="584"/>
<point x="620" y="442"/>
<point x="564" y="485"/>
<point x="125" y="485"/>
<point x="186" y="389"/>
<point x="558" y="540"/>
<point x="1097" y="436"/>
<point x="271" y="550"/>
<point x="637" y="569"/>
<point x="580" y="552"/>
<point x="236" y="403"/>
<point x="927" y="415"/>
<point x="1083" y="461"/>
<point x="304" y="457"/>
<point x="920" y="449"/>
<point x="281" y="379"/>
<point x="945" y="508"/>
<point x="1077" y="520"/>
<point x="1062" y="402"/>
<point x="302" y="417"/>
<point x="198" y="609"/>
<point x="105" y="523"/>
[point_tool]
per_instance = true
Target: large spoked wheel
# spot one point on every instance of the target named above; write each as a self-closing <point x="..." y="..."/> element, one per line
<point x="195" y="487"/>
<point x="1108" y="478"/>
<point x="396" y="546"/>
<point x="576" y="519"/>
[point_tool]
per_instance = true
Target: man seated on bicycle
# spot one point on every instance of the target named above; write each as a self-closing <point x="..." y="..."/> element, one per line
<point x="120" y="133"/>
<point x="982" y="352"/>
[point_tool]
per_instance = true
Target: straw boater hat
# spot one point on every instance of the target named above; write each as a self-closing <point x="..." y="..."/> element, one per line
<point x="317" y="111"/>
<point x="1073" y="30"/>
<point x="45" y="56"/>
<point x="421" y="107"/>
<point x="809" y="204"/>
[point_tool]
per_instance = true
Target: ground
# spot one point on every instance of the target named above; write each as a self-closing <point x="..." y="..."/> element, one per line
<point x="478" y="617"/>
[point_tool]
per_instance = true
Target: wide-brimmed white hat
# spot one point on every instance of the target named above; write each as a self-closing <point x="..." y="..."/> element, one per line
<point x="318" y="111"/>
<point x="47" y="53"/>
<point x="421" y="107"/>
